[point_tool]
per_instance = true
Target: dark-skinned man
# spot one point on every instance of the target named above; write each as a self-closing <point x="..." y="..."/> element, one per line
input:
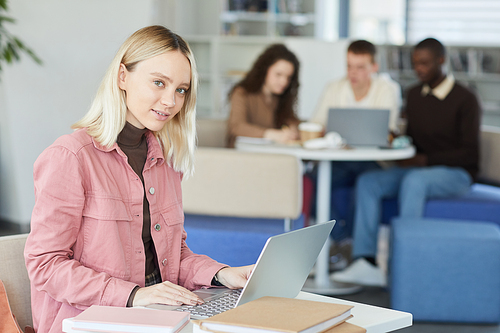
<point x="443" y="120"/>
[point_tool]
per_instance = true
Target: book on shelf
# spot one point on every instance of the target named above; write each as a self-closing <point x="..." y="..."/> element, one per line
<point x="134" y="320"/>
<point x="277" y="314"/>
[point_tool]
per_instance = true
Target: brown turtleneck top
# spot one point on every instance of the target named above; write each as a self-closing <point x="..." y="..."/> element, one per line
<point x="132" y="141"/>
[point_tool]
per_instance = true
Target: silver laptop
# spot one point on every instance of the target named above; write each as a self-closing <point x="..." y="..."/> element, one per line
<point x="360" y="127"/>
<point x="281" y="270"/>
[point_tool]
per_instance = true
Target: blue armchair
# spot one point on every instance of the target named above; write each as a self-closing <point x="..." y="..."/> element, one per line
<point x="446" y="266"/>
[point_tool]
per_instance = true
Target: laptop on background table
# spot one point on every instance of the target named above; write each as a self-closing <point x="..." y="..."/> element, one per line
<point x="281" y="270"/>
<point x="360" y="126"/>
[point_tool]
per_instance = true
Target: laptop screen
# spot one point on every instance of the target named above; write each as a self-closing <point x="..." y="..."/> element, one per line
<point x="285" y="263"/>
<point x="360" y="127"/>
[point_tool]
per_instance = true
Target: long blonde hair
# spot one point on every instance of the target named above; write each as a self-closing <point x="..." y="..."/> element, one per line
<point x="106" y="117"/>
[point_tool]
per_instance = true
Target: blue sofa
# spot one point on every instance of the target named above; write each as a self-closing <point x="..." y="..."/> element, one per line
<point x="481" y="203"/>
<point x="231" y="240"/>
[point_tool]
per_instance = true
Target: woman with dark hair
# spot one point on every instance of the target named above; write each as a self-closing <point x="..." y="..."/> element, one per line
<point x="263" y="103"/>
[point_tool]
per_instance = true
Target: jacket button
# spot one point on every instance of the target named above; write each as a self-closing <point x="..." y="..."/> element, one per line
<point x="157" y="227"/>
<point x="152" y="190"/>
<point x="164" y="262"/>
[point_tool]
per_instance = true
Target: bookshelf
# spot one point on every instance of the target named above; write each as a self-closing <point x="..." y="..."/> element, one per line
<point x="268" y="17"/>
<point x="476" y="67"/>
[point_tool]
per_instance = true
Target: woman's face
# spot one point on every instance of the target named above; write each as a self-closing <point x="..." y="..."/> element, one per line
<point x="155" y="89"/>
<point x="278" y="77"/>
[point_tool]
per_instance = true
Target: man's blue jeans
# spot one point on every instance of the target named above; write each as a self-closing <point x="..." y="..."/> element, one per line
<point x="412" y="186"/>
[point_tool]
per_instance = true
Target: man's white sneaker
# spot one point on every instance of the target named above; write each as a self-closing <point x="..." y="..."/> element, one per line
<point x="363" y="273"/>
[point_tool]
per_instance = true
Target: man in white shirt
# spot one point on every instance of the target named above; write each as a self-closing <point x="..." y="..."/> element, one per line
<point x="361" y="88"/>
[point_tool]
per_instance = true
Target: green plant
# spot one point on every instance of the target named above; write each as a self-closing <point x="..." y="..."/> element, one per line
<point x="11" y="47"/>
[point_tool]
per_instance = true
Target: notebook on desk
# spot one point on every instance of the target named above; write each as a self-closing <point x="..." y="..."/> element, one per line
<point x="281" y="270"/>
<point x="360" y="127"/>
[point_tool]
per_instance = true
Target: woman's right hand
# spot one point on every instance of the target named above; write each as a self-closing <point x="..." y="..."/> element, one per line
<point x="281" y="136"/>
<point x="165" y="293"/>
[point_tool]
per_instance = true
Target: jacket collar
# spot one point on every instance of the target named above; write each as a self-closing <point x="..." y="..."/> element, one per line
<point x="442" y="90"/>
<point x="155" y="152"/>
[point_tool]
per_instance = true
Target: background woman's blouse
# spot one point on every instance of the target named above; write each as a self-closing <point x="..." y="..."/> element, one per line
<point x="250" y="115"/>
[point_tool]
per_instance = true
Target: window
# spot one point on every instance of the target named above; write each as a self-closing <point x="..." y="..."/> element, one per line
<point x="379" y="21"/>
<point x="455" y="22"/>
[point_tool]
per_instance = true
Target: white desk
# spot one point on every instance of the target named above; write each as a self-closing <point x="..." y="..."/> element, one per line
<point x="322" y="283"/>
<point x="373" y="318"/>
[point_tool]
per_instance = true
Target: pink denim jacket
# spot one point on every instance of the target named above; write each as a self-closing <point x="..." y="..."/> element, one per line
<point x="85" y="245"/>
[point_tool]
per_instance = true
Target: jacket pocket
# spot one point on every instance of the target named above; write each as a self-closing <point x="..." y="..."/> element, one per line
<point x="173" y="215"/>
<point x="106" y="209"/>
<point x="107" y="242"/>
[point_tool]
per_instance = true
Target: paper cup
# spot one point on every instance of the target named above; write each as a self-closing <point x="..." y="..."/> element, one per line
<point x="309" y="131"/>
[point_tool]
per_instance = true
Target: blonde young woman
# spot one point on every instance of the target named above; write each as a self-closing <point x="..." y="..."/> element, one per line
<point x="107" y="226"/>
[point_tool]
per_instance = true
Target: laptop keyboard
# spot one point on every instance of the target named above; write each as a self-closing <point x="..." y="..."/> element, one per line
<point x="220" y="303"/>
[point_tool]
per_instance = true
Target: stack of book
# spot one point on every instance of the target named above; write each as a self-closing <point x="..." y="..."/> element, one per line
<point x="132" y="320"/>
<point x="277" y="314"/>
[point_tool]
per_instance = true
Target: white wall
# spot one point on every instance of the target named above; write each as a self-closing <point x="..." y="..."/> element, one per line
<point x="195" y="17"/>
<point x="76" y="40"/>
<point x="190" y="17"/>
<point x="320" y="63"/>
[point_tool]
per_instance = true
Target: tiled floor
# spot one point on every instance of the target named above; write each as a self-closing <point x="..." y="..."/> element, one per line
<point x="373" y="296"/>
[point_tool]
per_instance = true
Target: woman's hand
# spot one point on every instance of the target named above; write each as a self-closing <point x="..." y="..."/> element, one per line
<point x="165" y="293"/>
<point x="283" y="135"/>
<point x="235" y="277"/>
<point x="294" y="132"/>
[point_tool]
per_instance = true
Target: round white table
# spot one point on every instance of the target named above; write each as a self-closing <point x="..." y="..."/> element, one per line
<point x="322" y="283"/>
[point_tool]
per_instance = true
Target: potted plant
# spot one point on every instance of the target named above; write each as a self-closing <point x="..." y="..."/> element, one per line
<point x="11" y="47"/>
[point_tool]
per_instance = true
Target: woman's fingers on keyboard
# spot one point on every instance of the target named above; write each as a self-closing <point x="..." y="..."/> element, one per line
<point x="180" y="294"/>
<point x="165" y="293"/>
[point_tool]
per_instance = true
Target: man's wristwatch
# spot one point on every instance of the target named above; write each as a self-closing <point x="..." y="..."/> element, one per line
<point x="215" y="281"/>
